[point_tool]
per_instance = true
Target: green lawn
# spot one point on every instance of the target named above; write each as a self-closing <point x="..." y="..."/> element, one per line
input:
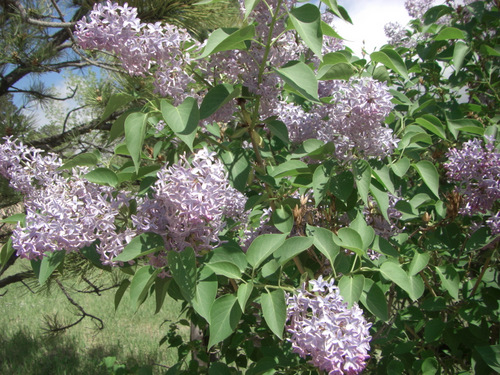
<point x="132" y="337"/>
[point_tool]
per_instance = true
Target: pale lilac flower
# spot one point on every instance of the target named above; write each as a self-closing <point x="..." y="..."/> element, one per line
<point x="189" y="204"/>
<point x="322" y="329"/>
<point x="476" y="170"/>
<point x="142" y="48"/>
<point x="68" y="214"/>
<point x="417" y="8"/>
<point x="26" y="167"/>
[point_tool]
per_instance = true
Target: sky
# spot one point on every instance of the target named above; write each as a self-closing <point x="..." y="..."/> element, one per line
<point x="367" y="30"/>
<point x="369" y="18"/>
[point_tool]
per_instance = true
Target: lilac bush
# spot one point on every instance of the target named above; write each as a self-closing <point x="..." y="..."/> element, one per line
<point x="272" y="155"/>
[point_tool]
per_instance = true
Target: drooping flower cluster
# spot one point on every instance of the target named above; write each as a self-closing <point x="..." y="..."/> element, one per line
<point x="476" y="170"/>
<point x="189" y="203"/>
<point x="321" y="327"/>
<point x="62" y="213"/>
<point x="139" y="46"/>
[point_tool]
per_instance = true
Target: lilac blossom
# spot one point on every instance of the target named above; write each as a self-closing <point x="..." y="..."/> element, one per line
<point x="417" y="8"/>
<point x="476" y="171"/>
<point x="321" y="327"/>
<point x="352" y="120"/>
<point x="141" y="47"/>
<point x="25" y="167"/>
<point x="62" y="213"/>
<point x="189" y="203"/>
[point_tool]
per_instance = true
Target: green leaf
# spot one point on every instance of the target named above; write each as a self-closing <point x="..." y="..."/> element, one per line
<point x="116" y="101"/>
<point x="433" y="124"/>
<point x="238" y="166"/>
<point x="362" y="173"/>
<point x="391" y="59"/>
<point x="351" y="288"/>
<point x="183" y="119"/>
<point x="87" y="159"/>
<point x="283" y="219"/>
<point x="401" y="166"/>
<point x="307" y="21"/>
<point x="323" y="240"/>
<point x="418" y="263"/>
<point x="49" y="263"/>
<point x="229" y="253"/>
<point x="14" y="219"/>
<point x="161" y="288"/>
<point x="433" y="330"/>
<point x="383" y="246"/>
<point x="491" y="355"/>
<point x="206" y="291"/>
<point x="288" y="168"/>
<point x="141" y="282"/>
<point x="219" y="368"/>
<point x="102" y="176"/>
<point x="337" y="10"/>
<point x="278" y="129"/>
<point x="243" y="294"/>
<point x="381" y="197"/>
<point x="416" y="287"/>
<point x="382" y="174"/>
<point x="292" y="247"/>
<point x="341" y="70"/>
<point x="449" y="279"/>
<point x="374" y="300"/>
<point x="120" y="292"/>
<point x="225" y="269"/>
<point x="429" y="175"/>
<point x="460" y="50"/>
<point x="450" y="33"/>
<point x="262" y="247"/>
<point x="135" y="130"/>
<point x="464" y="125"/>
<point x="342" y="185"/>
<point x="228" y="39"/>
<point x="217" y="97"/>
<point x="143" y="244"/>
<point x="90" y="252"/>
<point x="301" y="78"/>
<point x="274" y="310"/>
<point x="224" y="317"/>
<point x="182" y="265"/>
<point x="250" y="6"/>
<point x="366" y="232"/>
<point x="349" y="239"/>
<point x="395" y="273"/>
<point x="5" y="253"/>
<point x="320" y="183"/>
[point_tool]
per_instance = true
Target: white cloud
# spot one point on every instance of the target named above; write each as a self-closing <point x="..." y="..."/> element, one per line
<point x="369" y="18"/>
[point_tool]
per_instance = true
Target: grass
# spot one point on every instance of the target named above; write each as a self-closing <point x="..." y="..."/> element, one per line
<point x="132" y="337"/>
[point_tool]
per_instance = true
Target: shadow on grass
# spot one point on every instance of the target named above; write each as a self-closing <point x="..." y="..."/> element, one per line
<point x="26" y="354"/>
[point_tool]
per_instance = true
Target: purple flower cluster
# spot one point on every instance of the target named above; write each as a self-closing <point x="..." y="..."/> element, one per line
<point x="243" y="66"/>
<point x="62" y="213"/>
<point x="322" y="328"/>
<point x="397" y="35"/>
<point x="189" y="203"/>
<point x="476" y="170"/>
<point x="352" y="120"/>
<point x="417" y="8"/>
<point x="139" y="46"/>
<point x="26" y="167"/>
